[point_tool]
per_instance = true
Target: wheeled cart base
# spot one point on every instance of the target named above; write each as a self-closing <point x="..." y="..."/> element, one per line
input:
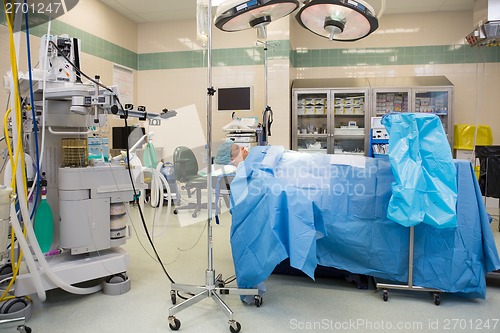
<point x="208" y="291"/>
<point x="15" y="323"/>
<point x="409" y="286"/>
<point x="385" y="296"/>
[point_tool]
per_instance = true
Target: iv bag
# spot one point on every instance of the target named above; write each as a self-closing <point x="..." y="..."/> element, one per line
<point x="202" y="21"/>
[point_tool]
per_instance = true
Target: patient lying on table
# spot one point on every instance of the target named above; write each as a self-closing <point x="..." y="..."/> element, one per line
<point x="230" y="153"/>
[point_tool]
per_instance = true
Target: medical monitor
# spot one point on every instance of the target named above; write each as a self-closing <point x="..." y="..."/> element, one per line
<point x="235" y="99"/>
<point x="120" y="136"/>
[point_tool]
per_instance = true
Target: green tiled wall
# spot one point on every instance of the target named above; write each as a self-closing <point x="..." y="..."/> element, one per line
<point x="91" y="44"/>
<point x="220" y="57"/>
<point x="418" y="55"/>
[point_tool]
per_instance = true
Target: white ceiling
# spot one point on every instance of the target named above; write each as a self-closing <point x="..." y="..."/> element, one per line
<point x="170" y="10"/>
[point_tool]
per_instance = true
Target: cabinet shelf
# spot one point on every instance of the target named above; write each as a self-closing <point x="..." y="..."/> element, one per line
<point x="323" y="151"/>
<point x="350" y="136"/>
<point x="313" y="115"/>
<point x="328" y="110"/>
<point x="333" y="103"/>
<point x="307" y="136"/>
<point x="350" y="153"/>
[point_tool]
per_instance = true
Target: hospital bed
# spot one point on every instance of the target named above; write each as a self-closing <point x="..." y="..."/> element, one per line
<point x="315" y="211"/>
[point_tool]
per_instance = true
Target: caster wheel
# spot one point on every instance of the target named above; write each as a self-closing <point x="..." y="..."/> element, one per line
<point x="173" y="297"/>
<point x="234" y="327"/>
<point x="258" y="300"/>
<point x="117" y="278"/>
<point x="385" y="296"/>
<point x="437" y="299"/>
<point x="174" y="324"/>
<point x="116" y="284"/>
<point x="6" y="269"/>
<point x="24" y="329"/>
<point x="5" y="274"/>
<point x="13" y="305"/>
<point x="175" y="211"/>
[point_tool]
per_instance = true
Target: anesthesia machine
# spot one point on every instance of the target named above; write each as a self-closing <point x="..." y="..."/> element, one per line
<point x="71" y="209"/>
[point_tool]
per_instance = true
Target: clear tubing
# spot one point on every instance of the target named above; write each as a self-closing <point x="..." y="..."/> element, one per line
<point x="5" y="201"/>
<point x="28" y="257"/>
<point x="157" y="180"/>
<point x="30" y="262"/>
<point x="37" y="280"/>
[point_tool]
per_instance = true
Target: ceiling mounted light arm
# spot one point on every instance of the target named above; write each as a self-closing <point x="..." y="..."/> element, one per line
<point x="340" y="20"/>
<point x="237" y="15"/>
<point x="260" y="23"/>
<point x="333" y="27"/>
<point x="382" y="9"/>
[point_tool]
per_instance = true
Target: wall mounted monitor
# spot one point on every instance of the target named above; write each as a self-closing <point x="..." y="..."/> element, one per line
<point x="235" y="99"/>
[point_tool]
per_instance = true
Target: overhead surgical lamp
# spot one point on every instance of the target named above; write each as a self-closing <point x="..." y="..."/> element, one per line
<point x="340" y="20"/>
<point x="239" y="15"/>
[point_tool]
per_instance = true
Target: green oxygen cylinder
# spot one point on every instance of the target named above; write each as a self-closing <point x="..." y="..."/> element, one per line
<point x="44" y="223"/>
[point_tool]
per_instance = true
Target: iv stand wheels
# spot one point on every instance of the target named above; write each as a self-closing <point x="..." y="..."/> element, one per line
<point x="208" y="291"/>
<point x="257" y="298"/>
<point x="175" y="324"/>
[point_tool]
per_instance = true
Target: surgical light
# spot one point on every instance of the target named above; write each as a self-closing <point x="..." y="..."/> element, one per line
<point x="340" y="20"/>
<point x="239" y="15"/>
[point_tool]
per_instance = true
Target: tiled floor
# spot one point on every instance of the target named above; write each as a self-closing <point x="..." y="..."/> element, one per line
<point x="292" y="303"/>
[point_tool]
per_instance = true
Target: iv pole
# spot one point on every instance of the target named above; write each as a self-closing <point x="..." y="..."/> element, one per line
<point x="209" y="290"/>
<point x="267" y="114"/>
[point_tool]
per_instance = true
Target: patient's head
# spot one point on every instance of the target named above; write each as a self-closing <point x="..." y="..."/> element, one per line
<point x="230" y="153"/>
<point x="238" y="154"/>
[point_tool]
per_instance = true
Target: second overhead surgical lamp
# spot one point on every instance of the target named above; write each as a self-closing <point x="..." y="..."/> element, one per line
<point x="239" y="15"/>
<point x="339" y="20"/>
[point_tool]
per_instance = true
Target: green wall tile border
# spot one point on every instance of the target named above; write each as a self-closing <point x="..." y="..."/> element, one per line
<point x="393" y="56"/>
<point x="90" y="44"/>
<point x="279" y="49"/>
<point x="246" y="56"/>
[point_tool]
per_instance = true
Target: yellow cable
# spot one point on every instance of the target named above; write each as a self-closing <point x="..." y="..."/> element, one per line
<point x="17" y="101"/>
<point x="6" y="135"/>
<point x="9" y="149"/>
<point x="15" y="78"/>
<point x="19" y="147"/>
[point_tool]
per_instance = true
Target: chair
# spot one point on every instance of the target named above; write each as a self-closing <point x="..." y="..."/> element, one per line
<point x="222" y="190"/>
<point x="186" y="172"/>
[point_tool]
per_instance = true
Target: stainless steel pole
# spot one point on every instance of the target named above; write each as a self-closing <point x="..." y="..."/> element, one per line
<point x="265" y="75"/>
<point x="210" y="93"/>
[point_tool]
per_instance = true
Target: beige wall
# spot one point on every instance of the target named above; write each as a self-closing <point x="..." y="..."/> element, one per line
<point x="476" y="85"/>
<point x="397" y="30"/>
<point x="100" y="20"/>
<point x="179" y="87"/>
